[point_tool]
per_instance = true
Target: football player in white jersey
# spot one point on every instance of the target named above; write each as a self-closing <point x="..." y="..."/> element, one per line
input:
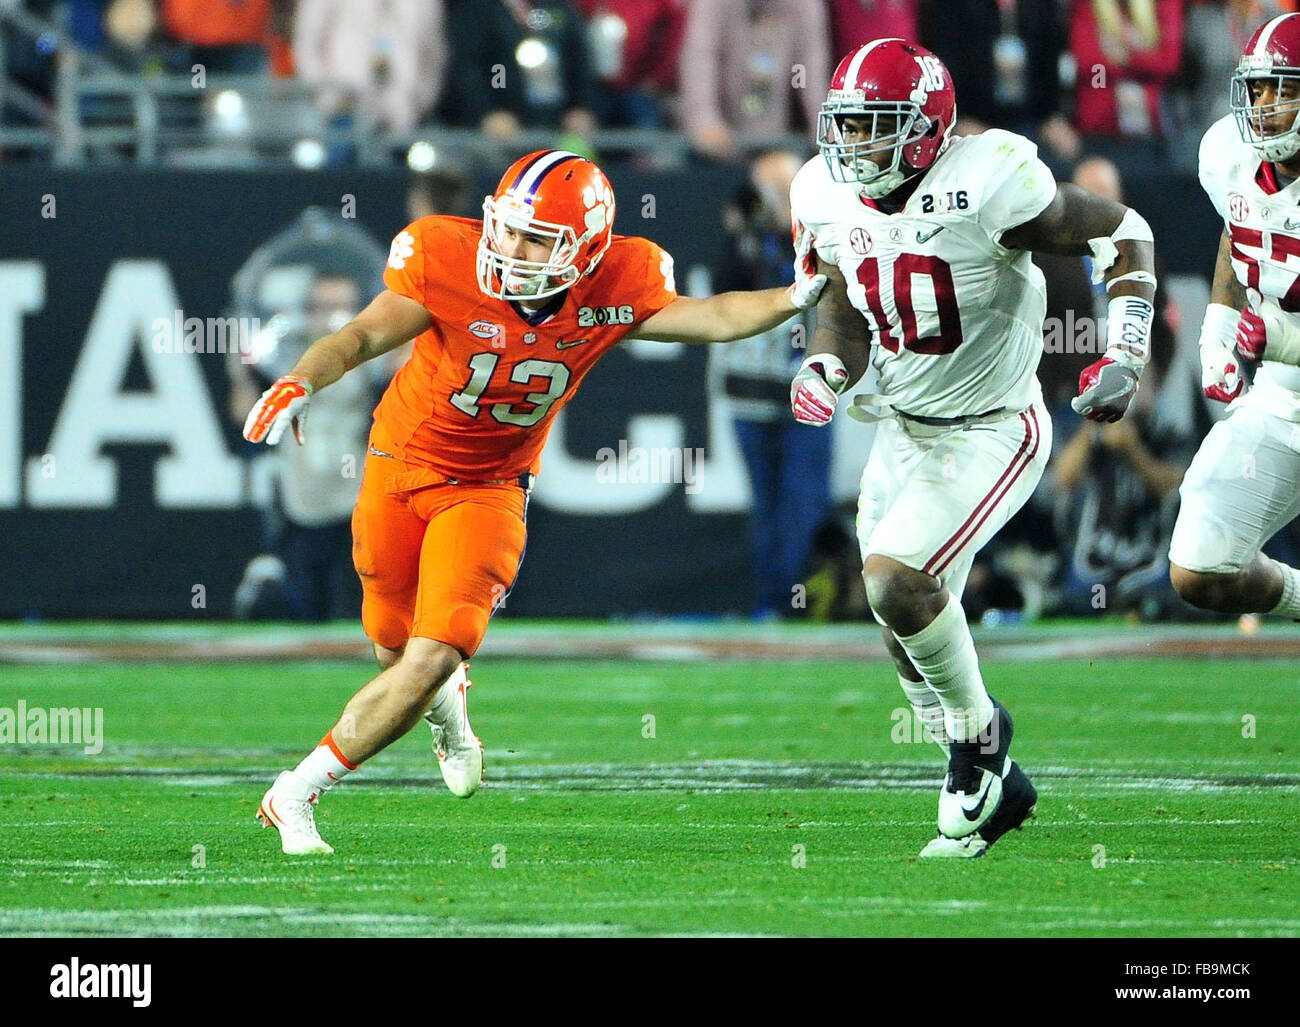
<point x="927" y="242"/>
<point x="1244" y="484"/>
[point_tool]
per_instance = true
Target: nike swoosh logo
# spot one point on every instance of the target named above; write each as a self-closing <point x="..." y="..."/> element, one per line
<point x="1290" y="225"/>
<point x="974" y="814"/>
<point x="565" y="345"/>
<point x="927" y="236"/>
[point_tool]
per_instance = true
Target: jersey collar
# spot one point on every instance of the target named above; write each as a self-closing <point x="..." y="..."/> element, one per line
<point x="1269" y="179"/>
<point x="1266" y="178"/>
<point x="544" y="313"/>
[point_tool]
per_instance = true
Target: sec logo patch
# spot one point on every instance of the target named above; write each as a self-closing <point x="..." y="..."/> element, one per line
<point x="1238" y="208"/>
<point x="860" y="241"/>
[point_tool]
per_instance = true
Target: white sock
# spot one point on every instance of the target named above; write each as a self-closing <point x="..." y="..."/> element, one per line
<point x="324" y="766"/>
<point x="1289" y="604"/>
<point x="944" y="653"/>
<point x="929" y="711"/>
<point x="446" y="700"/>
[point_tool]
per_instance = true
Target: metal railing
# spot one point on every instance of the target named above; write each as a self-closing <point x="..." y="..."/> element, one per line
<point x="102" y="113"/>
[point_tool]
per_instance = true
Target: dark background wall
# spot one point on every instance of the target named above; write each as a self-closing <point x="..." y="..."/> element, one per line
<point x="140" y="556"/>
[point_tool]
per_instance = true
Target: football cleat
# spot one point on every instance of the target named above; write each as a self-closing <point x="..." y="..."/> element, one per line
<point x="972" y="791"/>
<point x="459" y="751"/>
<point x="1019" y="801"/>
<point x="287" y="806"/>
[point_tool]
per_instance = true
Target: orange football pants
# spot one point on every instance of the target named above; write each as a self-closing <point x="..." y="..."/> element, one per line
<point x="435" y="561"/>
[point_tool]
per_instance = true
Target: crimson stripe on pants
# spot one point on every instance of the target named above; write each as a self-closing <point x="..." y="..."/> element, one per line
<point x="1015" y="468"/>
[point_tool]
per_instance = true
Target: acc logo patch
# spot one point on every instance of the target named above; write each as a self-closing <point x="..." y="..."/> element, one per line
<point x="486" y="329"/>
<point x="1238" y="208"/>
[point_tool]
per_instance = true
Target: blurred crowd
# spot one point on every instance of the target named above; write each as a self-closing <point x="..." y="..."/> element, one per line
<point x="1077" y="75"/>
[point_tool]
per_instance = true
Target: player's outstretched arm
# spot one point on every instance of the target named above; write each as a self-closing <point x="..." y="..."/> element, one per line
<point x="1079" y="222"/>
<point x="838" y="354"/>
<point x="737" y="315"/>
<point x="722" y="318"/>
<point x="387" y="322"/>
<point x="390" y="320"/>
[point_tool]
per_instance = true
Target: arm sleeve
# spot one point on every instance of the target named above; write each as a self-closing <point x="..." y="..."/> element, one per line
<point x="1018" y="186"/>
<point x="804" y="209"/>
<point x="660" y="286"/>
<point x="1211" y="165"/>
<point x="404" y="273"/>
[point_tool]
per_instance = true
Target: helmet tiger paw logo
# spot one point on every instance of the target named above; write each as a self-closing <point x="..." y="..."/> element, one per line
<point x="599" y="201"/>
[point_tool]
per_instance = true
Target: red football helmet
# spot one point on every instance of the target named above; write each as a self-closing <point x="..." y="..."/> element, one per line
<point x="1271" y="61"/>
<point x="907" y="94"/>
<point x="555" y="194"/>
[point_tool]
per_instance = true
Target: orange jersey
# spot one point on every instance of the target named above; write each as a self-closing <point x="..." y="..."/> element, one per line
<point x="481" y="389"/>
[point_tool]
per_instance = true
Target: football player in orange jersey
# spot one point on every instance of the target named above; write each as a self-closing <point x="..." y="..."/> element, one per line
<point x="508" y="315"/>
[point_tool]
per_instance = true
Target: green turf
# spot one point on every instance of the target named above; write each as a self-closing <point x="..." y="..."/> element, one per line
<point x="601" y="830"/>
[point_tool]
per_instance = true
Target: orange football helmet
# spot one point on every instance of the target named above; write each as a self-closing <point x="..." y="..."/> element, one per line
<point x="555" y="194"/>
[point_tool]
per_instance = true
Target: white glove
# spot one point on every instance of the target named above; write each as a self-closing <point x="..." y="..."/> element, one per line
<point x="1106" y="388"/>
<point x="1221" y="378"/>
<point x="808" y="284"/>
<point x="816" y="389"/>
<point x="282" y="405"/>
<point x="1281" y="329"/>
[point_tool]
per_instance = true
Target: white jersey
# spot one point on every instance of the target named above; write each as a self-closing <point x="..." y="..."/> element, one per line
<point x="956" y="317"/>
<point x="1263" y="224"/>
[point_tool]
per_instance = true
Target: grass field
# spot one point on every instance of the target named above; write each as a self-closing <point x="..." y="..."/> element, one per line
<point x="1156" y="815"/>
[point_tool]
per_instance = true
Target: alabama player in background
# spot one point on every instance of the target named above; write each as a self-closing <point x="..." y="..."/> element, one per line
<point x="508" y="315"/>
<point x="928" y="241"/>
<point x="1244" y="483"/>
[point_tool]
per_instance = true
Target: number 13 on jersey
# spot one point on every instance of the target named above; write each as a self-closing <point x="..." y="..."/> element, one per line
<point x="482" y="365"/>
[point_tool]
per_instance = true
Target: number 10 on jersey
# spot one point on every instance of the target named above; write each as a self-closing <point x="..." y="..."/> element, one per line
<point x="905" y="267"/>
